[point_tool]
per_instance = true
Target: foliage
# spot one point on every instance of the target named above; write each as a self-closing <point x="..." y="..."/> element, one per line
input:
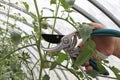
<point x="15" y="59"/>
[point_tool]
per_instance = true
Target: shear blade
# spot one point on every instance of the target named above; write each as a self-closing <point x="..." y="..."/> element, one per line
<point x="52" y="38"/>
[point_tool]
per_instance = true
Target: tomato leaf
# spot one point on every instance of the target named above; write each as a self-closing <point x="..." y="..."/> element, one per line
<point x="53" y="2"/>
<point x="70" y="3"/>
<point x="46" y="64"/>
<point x="85" y="31"/>
<point x="92" y="73"/>
<point x="80" y="74"/>
<point x="85" y="53"/>
<point x="26" y="5"/>
<point x="61" y="57"/>
<point x="116" y="72"/>
<point x="83" y="57"/>
<point x="53" y="65"/>
<point x="16" y="37"/>
<point x="33" y="16"/>
<point x="44" y="24"/>
<point x="64" y="4"/>
<point x="1" y="5"/>
<point x="89" y="47"/>
<point x="46" y="77"/>
<point x="106" y="61"/>
<point x="67" y="3"/>
<point x="101" y="68"/>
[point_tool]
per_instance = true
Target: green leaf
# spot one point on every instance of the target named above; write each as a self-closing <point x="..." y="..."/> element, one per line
<point x="64" y="4"/>
<point x="24" y="19"/>
<point x="101" y="68"/>
<point x="61" y="57"/>
<point x="67" y="3"/>
<point x="53" y="2"/>
<point x="46" y="64"/>
<point x="26" y="5"/>
<point x="16" y="37"/>
<point x="106" y="61"/>
<point x="86" y="52"/>
<point x="80" y="74"/>
<point x="53" y="65"/>
<point x="1" y="5"/>
<point x="44" y="24"/>
<point x="26" y="38"/>
<point x="89" y="48"/>
<point x="36" y="28"/>
<point x="16" y="3"/>
<point x="46" y="77"/>
<point x="14" y="67"/>
<point x="54" y="54"/>
<point x="83" y="57"/>
<point x="116" y="72"/>
<point x="92" y="73"/>
<point x="33" y="16"/>
<point x="90" y="44"/>
<point x="85" y="31"/>
<point x="70" y="3"/>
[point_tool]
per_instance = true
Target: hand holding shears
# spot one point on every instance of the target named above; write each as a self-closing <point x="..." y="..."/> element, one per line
<point x="68" y="43"/>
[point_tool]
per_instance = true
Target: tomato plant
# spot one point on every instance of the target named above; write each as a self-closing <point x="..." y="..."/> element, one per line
<point x="16" y="44"/>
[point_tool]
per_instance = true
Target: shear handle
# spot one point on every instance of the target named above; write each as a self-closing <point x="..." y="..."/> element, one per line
<point x="106" y="32"/>
<point x="93" y="63"/>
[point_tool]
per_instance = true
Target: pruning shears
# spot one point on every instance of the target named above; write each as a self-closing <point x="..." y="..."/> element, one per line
<point x="68" y="43"/>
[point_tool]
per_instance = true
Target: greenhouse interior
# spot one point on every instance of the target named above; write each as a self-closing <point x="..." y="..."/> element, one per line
<point x="39" y="39"/>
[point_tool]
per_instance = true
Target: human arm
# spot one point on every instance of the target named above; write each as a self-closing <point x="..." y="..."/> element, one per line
<point x="116" y="51"/>
<point x="106" y="45"/>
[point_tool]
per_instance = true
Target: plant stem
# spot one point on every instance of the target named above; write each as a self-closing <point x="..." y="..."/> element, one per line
<point x="70" y="70"/>
<point x="59" y="18"/>
<point x="31" y="73"/>
<point x="15" y="51"/>
<point x="35" y="64"/>
<point x="55" y="19"/>
<point x="83" y="72"/>
<point x="39" y="41"/>
<point x="56" y="13"/>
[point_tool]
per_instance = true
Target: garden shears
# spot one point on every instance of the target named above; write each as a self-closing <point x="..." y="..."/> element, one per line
<point x="68" y="43"/>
